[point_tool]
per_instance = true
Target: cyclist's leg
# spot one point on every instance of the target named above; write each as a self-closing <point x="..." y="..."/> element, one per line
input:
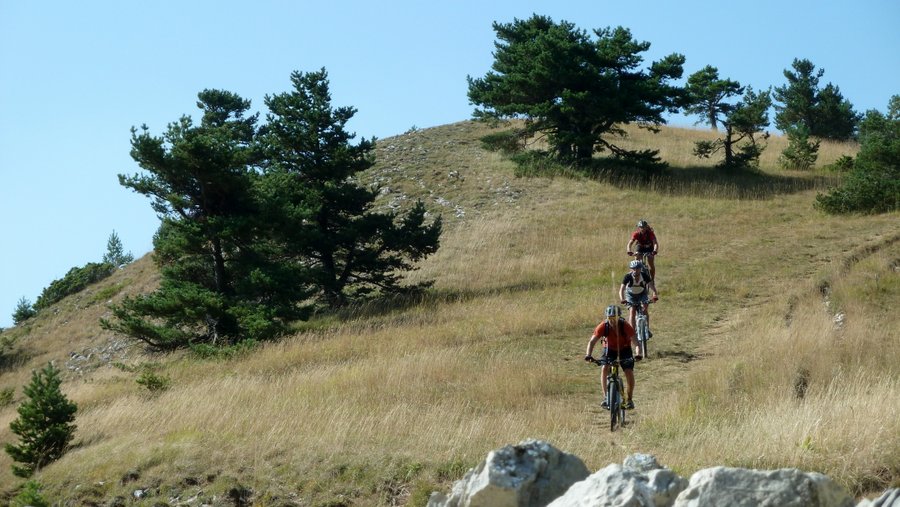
<point x="603" y="375"/>
<point x="628" y="366"/>
<point x="630" y="301"/>
<point x="629" y="382"/>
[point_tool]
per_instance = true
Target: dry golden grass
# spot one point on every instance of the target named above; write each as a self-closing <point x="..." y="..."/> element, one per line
<point x="384" y="405"/>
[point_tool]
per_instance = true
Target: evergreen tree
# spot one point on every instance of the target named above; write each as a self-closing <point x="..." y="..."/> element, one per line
<point x="319" y="215"/>
<point x="576" y="90"/>
<point x="708" y="95"/>
<point x="709" y="98"/>
<point x="23" y="311"/>
<point x="75" y="280"/>
<point x="115" y="253"/>
<point x="873" y="185"/>
<point x="45" y="423"/>
<point x="29" y="496"/>
<point x="836" y="118"/>
<point x="796" y="101"/>
<point x="801" y="152"/>
<point x="218" y="284"/>
<point x="825" y="112"/>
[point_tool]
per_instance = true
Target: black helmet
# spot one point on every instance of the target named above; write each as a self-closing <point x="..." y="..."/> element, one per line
<point x="613" y="311"/>
<point x="643" y="223"/>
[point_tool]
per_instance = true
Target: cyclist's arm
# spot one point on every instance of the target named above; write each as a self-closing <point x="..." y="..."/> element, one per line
<point x="590" y="347"/>
<point x="622" y="292"/>
<point x="629" y="246"/>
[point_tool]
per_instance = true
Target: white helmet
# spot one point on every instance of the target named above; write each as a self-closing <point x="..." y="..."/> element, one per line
<point x="636" y="264"/>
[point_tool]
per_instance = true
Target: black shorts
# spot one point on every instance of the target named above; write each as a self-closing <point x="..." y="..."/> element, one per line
<point x="625" y="357"/>
<point x="645" y="249"/>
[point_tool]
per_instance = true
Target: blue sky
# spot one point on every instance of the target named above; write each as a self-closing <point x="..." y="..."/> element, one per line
<point x="76" y="76"/>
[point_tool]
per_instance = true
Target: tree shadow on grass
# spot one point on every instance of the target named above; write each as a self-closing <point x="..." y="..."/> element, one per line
<point x="690" y="181"/>
<point x="427" y="299"/>
<point x="709" y="182"/>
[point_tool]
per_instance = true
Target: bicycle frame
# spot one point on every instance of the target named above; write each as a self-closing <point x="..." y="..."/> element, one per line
<point x="641" y="327"/>
<point x="615" y="394"/>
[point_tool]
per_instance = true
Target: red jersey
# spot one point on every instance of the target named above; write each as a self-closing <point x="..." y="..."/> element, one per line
<point x="614" y="339"/>
<point x="644" y="238"/>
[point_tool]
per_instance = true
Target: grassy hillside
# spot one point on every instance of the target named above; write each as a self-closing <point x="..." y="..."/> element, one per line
<point x="775" y="341"/>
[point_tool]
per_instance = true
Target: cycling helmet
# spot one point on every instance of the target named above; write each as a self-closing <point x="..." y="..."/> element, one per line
<point x="635" y="265"/>
<point x="643" y="223"/>
<point x="613" y="311"/>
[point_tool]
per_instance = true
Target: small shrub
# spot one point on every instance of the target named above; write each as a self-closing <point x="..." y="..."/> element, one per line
<point x="23" y="311"/>
<point x="206" y="351"/>
<point x="124" y="367"/>
<point x="801" y="153"/>
<point x="30" y="496"/>
<point x="843" y="164"/>
<point x="44" y="423"/>
<point x="6" y="396"/>
<point x="153" y="382"/>
<point x="507" y="141"/>
<point x="107" y="293"/>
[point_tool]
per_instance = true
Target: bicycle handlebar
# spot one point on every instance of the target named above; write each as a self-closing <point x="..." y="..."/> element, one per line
<point x="612" y="362"/>
<point x="649" y="302"/>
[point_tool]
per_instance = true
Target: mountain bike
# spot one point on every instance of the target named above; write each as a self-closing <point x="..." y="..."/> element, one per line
<point x="615" y="394"/>
<point x="641" y="326"/>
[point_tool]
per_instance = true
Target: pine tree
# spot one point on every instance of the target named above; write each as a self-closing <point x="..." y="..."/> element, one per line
<point x="219" y="285"/>
<point x="24" y="311"/>
<point x="321" y="217"/>
<point x="801" y="152"/>
<point x="45" y="423"/>
<point x="576" y="90"/>
<point x="825" y="112"/>
<point x="873" y="185"/>
<point x="708" y="95"/>
<point x="743" y="121"/>
<point x="115" y="253"/>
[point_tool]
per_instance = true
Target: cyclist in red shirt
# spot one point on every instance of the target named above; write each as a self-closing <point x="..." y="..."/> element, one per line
<point x="618" y="338"/>
<point x="643" y="241"/>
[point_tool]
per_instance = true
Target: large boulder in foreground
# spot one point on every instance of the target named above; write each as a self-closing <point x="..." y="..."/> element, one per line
<point x="536" y="474"/>
<point x="890" y="498"/>
<point x="739" y="487"/>
<point x="631" y="484"/>
<point x="530" y="474"/>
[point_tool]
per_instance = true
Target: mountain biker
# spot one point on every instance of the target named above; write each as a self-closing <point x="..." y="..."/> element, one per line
<point x="618" y="338"/>
<point x="634" y="290"/>
<point x="643" y="241"/>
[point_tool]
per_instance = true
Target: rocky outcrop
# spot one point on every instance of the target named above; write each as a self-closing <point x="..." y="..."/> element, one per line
<point x="529" y="474"/>
<point x="534" y="473"/>
<point x="890" y="498"/>
<point x="787" y="487"/>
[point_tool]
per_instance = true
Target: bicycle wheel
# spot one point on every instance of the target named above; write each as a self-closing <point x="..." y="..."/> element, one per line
<point x="615" y="402"/>
<point x="621" y="407"/>
<point x="643" y="333"/>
